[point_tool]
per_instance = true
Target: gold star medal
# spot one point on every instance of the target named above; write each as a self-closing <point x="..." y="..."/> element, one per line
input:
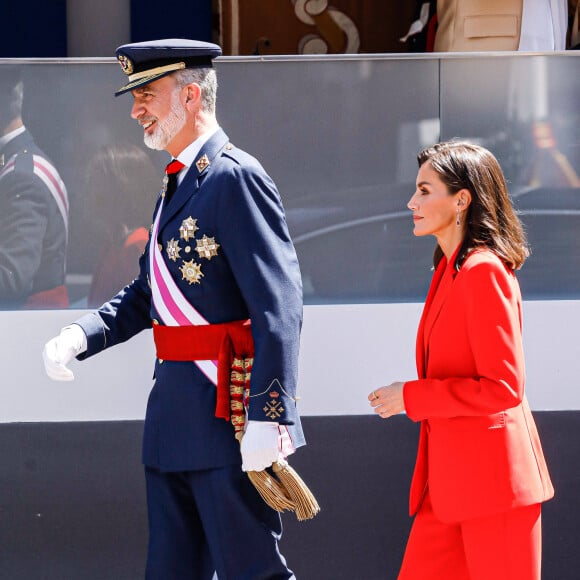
<point x="207" y="247"/>
<point x="191" y="271"/>
<point x="173" y="249"/>
<point x="188" y="228"/>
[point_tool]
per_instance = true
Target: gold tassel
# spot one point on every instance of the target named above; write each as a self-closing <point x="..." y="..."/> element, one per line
<point x="271" y="491"/>
<point x="285" y="490"/>
<point x="306" y="505"/>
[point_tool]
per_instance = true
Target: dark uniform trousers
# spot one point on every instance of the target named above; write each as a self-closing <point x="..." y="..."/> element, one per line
<point x="189" y="511"/>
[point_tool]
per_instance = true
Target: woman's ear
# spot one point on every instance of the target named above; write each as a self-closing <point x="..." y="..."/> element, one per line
<point x="463" y="198"/>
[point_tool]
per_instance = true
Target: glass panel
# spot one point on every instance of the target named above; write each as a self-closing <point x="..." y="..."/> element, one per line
<point x="526" y="110"/>
<point x="339" y="136"/>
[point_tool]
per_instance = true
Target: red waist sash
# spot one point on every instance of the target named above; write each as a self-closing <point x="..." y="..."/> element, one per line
<point x="217" y="342"/>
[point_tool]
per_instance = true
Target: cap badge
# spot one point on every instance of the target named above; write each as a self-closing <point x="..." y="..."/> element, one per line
<point x="126" y="64"/>
<point x="202" y="163"/>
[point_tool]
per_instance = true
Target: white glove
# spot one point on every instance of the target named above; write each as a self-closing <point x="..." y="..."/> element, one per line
<point x="59" y="351"/>
<point x="259" y="446"/>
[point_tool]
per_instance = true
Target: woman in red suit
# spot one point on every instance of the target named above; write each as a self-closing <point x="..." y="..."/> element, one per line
<point x="480" y="475"/>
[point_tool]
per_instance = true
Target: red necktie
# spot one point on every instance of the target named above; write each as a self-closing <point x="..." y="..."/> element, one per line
<point x="171" y="172"/>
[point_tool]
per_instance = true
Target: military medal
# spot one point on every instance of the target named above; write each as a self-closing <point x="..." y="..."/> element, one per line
<point x="191" y="271"/>
<point x="207" y="247"/>
<point x="173" y="249"/>
<point x="188" y="228"/>
<point x="164" y="185"/>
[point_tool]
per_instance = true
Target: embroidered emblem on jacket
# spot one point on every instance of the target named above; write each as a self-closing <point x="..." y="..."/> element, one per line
<point x="273" y="408"/>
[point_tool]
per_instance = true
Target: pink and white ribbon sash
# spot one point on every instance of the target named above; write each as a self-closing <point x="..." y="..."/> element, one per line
<point x="48" y="174"/>
<point x="175" y="310"/>
<point x="171" y="305"/>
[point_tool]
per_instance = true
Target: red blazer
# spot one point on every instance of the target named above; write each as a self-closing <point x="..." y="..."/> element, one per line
<point x="479" y="449"/>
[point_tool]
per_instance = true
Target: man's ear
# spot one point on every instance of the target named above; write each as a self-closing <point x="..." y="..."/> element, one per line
<point x="192" y="93"/>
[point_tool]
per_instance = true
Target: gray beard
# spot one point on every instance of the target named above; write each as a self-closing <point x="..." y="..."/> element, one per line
<point x="166" y="130"/>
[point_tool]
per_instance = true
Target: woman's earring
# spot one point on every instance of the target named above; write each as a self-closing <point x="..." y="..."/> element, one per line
<point x="458" y="221"/>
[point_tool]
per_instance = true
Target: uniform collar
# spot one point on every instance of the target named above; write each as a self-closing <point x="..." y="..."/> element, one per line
<point x="190" y="153"/>
<point x="9" y="136"/>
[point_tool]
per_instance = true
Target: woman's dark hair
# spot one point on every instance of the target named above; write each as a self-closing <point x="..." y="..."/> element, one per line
<point x="121" y="185"/>
<point x="490" y="218"/>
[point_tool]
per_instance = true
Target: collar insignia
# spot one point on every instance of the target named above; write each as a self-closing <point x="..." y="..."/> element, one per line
<point x="202" y="163"/>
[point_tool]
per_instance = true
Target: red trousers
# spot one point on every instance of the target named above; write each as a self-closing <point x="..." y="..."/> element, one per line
<point x="504" y="546"/>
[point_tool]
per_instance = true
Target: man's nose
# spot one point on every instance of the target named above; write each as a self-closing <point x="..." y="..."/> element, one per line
<point x="136" y="110"/>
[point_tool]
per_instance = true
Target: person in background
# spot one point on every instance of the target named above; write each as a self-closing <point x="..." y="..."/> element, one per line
<point x="484" y="25"/>
<point x="220" y="284"/>
<point x="480" y="475"/>
<point x="118" y="179"/>
<point x="34" y="211"/>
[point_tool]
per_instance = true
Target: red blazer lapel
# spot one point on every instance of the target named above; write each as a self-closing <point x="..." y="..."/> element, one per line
<point x="420" y="345"/>
<point x="438" y="291"/>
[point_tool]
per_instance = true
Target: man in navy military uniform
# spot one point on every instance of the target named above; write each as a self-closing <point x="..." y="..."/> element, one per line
<point x="33" y="211"/>
<point x="219" y="280"/>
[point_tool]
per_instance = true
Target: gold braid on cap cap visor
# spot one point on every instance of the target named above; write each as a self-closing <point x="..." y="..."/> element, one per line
<point x="156" y="71"/>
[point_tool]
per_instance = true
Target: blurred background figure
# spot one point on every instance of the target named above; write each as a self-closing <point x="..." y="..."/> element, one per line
<point x="33" y="211"/>
<point x="483" y="25"/>
<point x="121" y="186"/>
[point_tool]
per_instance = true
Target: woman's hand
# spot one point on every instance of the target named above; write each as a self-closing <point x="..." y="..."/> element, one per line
<point x="388" y="401"/>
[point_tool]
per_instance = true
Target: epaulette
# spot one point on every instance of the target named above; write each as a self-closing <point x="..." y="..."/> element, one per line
<point x="231" y="151"/>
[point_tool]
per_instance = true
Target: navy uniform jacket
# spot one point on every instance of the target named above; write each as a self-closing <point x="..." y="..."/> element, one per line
<point x="33" y="230"/>
<point x="255" y="274"/>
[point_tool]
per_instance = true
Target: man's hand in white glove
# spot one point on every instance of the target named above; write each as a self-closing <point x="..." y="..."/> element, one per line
<point x="59" y="351"/>
<point x="259" y="446"/>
